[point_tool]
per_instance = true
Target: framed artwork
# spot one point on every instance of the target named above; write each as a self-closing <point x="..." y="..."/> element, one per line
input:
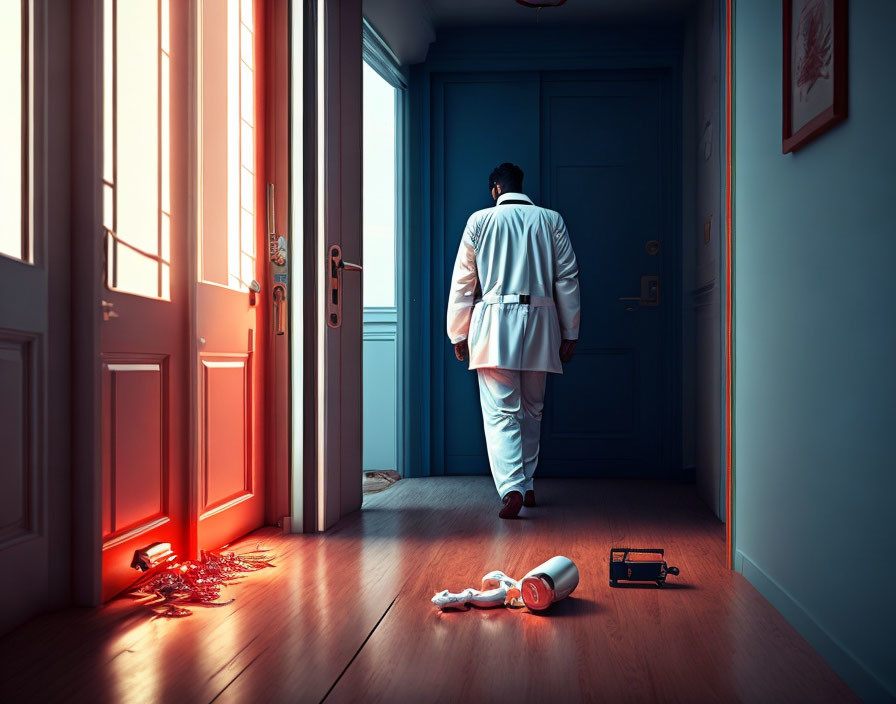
<point x="815" y="69"/>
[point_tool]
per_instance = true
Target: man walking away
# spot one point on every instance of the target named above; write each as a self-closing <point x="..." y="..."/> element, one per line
<point x="513" y="308"/>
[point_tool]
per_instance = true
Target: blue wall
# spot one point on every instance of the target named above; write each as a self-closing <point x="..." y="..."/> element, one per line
<point x="815" y="258"/>
<point x="380" y="392"/>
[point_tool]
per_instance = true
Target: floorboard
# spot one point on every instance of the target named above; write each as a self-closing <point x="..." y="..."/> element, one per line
<point x="346" y="617"/>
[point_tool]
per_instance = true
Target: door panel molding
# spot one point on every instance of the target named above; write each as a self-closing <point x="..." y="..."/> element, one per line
<point x="225" y="442"/>
<point x="145" y="527"/>
<point x="21" y="408"/>
<point x="136" y="468"/>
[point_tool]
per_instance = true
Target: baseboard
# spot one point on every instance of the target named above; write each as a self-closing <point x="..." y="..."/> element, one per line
<point x="864" y="682"/>
<point x="289" y="525"/>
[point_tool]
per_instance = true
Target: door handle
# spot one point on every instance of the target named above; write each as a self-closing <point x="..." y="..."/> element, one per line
<point x="108" y="313"/>
<point x="650" y="291"/>
<point x="254" y="289"/>
<point x="279" y="309"/>
<point x="336" y="265"/>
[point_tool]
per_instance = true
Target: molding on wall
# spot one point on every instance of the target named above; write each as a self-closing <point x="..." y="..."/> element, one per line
<point x="728" y="308"/>
<point x="377" y="53"/>
<point x="380" y="388"/>
<point x="380" y="324"/>
<point x="850" y="668"/>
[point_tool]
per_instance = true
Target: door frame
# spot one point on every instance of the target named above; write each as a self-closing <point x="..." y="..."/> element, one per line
<point x="728" y="310"/>
<point x="306" y="86"/>
<point x="304" y="267"/>
<point x="86" y="294"/>
<point x="278" y="153"/>
<point x="379" y="56"/>
<point x="326" y="382"/>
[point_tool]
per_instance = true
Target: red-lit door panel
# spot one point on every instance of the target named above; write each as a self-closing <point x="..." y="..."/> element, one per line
<point x="137" y="506"/>
<point x="136" y="467"/>
<point x="230" y="487"/>
<point x="226" y="437"/>
<point x="229" y="482"/>
<point x="145" y="296"/>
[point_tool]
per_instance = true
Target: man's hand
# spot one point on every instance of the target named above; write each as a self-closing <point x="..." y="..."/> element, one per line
<point x="567" y="349"/>
<point x="460" y="350"/>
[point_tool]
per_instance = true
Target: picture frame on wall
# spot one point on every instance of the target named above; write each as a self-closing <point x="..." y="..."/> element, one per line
<point x="815" y="69"/>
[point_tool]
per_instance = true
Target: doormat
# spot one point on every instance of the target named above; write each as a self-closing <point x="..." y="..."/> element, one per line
<point x="379" y="480"/>
<point x="198" y="582"/>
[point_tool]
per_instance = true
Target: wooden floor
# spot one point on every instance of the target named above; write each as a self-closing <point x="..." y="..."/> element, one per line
<point x="346" y="617"/>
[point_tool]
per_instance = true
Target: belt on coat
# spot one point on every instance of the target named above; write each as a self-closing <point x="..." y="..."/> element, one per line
<point x="523" y="298"/>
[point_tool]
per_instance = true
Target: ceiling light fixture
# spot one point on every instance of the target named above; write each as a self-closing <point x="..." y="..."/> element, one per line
<point x="538" y="4"/>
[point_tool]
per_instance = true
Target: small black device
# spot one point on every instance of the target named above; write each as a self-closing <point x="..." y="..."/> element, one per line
<point x="639" y="565"/>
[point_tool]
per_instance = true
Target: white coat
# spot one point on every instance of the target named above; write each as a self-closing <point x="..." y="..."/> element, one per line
<point x="514" y="250"/>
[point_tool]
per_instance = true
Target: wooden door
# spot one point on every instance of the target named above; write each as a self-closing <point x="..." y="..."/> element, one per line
<point x="598" y="149"/>
<point x="145" y="298"/>
<point x="230" y="236"/>
<point x="34" y="372"/>
<point x="607" y="168"/>
<point x="338" y="411"/>
<point x="468" y="148"/>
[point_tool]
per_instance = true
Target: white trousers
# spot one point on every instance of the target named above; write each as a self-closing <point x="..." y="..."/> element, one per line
<point x="512" y="402"/>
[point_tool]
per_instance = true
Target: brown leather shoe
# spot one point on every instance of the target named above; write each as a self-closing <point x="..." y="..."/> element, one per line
<point x="529" y="500"/>
<point x="513" y="502"/>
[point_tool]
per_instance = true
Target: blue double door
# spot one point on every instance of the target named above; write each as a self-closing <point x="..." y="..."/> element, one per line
<point x="600" y="149"/>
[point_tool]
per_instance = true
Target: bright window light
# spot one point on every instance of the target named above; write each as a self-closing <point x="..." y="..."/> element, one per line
<point x="379" y="190"/>
<point x="136" y="145"/>
<point x="227" y="138"/>
<point x="12" y="185"/>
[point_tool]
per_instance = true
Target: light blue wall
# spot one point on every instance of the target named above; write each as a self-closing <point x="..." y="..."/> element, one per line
<point x="380" y="398"/>
<point x="815" y="255"/>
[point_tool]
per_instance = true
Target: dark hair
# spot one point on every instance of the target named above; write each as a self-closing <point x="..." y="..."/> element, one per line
<point x="508" y="176"/>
